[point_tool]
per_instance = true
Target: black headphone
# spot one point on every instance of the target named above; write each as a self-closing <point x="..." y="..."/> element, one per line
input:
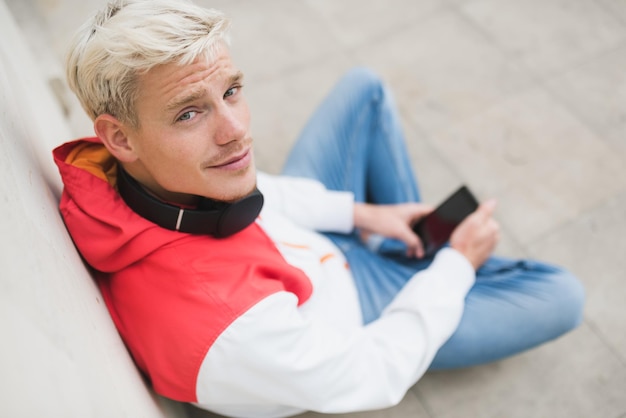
<point x="212" y="217"/>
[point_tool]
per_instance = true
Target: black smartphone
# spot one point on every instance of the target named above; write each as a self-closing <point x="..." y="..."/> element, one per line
<point x="435" y="228"/>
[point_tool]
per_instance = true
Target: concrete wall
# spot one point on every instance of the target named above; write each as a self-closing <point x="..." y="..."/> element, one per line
<point x="60" y="355"/>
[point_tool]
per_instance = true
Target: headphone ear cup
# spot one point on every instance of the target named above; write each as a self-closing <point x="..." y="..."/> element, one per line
<point x="238" y="215"/>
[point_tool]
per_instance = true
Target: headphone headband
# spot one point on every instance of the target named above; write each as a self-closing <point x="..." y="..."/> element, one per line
<point x="220" y="219"/>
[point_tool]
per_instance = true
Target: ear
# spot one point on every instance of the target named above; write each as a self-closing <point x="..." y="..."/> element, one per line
<point x="114" y="135"/>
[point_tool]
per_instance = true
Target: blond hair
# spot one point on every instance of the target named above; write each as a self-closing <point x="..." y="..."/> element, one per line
<point x="129" y="37"/>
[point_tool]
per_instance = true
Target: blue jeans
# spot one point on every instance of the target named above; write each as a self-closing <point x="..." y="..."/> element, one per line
<point x="354" y="141"/>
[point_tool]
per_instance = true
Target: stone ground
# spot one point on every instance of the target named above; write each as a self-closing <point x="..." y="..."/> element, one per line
<point x="524" y="101"/>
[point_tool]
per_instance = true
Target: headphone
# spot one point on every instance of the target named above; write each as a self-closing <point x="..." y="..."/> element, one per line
<point x="212" y="217"/>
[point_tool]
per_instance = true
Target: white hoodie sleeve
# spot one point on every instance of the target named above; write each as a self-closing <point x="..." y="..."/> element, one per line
<point x="272" y="362"/>
<point x="308" y="203"/>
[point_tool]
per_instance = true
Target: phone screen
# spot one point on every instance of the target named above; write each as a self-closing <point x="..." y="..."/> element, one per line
<point x="435" y="228"/>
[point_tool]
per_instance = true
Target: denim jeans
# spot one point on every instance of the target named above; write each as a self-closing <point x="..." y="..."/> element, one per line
<point x="354" y="141"/>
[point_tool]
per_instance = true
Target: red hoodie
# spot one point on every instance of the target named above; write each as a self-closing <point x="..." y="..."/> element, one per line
<point x="264" y="323"/>
<point x="162" y="286"/>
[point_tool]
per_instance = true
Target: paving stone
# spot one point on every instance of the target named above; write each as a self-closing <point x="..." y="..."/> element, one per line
<point x="618" y="7"/>
<point x="271" y="37"/>
<point x="543" y="164"/>
<point x="355" y="22"/>
<point x="593" y="248"/>
<point x="548" y="36"/>
<point x="596" y="93"/>
<point x="549" y="381"/>
<point x="443" y="70"/>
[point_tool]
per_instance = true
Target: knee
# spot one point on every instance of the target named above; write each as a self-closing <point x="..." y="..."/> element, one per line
<point x="364" y="75"/>
<point x="568" y="297"/>
<point x="365" y="81"/>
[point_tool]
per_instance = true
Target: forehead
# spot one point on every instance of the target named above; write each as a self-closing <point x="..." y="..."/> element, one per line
<point x="164" y="82"/>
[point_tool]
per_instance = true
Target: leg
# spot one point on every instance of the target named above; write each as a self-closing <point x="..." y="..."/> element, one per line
<point x="514" y="305"/>
<point x="378" y="277"/>
<point x="354" y="142"/>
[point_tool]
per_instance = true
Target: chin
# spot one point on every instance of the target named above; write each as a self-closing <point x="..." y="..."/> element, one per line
<point x="245" y="193"/>
<point x="238" y="192"/>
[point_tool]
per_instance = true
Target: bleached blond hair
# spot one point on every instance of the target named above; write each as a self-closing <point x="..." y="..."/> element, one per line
<point x="130" y="37"/>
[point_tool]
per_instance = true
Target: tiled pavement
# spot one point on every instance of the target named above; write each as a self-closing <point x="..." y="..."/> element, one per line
<point x="523" y="100"/>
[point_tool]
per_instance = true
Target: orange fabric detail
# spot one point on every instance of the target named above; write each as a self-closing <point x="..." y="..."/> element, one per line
<point x="301" y="246"/>
<point x="95" y="159"/>
<point x="326" y="257"/>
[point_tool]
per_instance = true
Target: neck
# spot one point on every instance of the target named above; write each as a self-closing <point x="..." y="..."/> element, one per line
<point x="182" y="199"/>
<point x="158" y="192"/>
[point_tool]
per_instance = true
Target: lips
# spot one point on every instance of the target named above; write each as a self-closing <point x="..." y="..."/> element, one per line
<point x="235" y="162"/>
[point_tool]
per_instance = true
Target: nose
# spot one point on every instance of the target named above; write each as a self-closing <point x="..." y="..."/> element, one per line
<point x="231" y="124"/>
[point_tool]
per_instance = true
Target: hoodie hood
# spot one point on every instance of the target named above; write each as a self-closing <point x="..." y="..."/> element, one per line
<point x="108" y="234"/>
<point x="161" y="285"/>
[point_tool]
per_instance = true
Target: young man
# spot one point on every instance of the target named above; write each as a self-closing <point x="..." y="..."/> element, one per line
<point x="263" y="296"/>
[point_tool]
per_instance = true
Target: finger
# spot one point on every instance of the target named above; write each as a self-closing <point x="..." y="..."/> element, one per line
<point x="419" y="210"/>
<point x="419" y="249"/>
<point x="496" y="228"/>
<point x="412" y="242"/>
<point x="420" y="207"/>
<point x="425" y="209"/>
<point x="417" y="252"/>
<point x="487" y="208"/>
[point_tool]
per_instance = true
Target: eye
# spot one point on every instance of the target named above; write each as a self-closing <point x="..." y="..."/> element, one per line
<point x="190" y="114"/>
<point x="231" y="91"/>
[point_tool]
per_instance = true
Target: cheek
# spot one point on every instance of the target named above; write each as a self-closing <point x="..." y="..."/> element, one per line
<point x="248" y="117"/>
<point x="243" y="114"/>
<point x="166" y="154"/>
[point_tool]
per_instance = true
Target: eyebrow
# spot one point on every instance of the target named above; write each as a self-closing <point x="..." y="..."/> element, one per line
<point x="179" y="102"/>
<point x="236" y="78"/>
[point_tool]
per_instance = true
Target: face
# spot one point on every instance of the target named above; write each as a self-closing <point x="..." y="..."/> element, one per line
<point x="194" y="132"/>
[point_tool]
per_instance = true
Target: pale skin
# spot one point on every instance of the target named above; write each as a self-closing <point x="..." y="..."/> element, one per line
<point x="194" y="139"/>
<point x="476" y="237"/>
<point x="194" y="135"/>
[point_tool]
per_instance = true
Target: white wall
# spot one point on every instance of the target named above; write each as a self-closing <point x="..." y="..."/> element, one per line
<point x="60" y="355"/>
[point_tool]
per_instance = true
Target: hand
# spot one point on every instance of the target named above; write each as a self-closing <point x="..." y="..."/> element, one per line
<point x="477" y="236"/>
<point x="392" y="221"/>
